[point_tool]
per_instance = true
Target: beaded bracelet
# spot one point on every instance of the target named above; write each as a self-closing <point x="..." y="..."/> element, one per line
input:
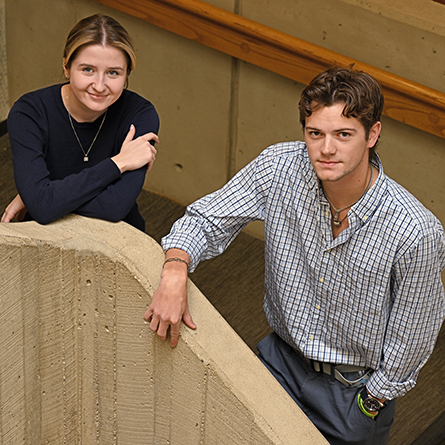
<point x="180" y="260"/>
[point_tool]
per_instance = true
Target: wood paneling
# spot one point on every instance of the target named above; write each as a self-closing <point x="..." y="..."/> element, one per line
<point x="406" y="101"/>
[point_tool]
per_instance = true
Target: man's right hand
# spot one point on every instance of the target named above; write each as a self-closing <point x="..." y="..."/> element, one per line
<point x="169" y="303"/>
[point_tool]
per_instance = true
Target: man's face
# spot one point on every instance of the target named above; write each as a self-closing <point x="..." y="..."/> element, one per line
<point x="337" y="145"/>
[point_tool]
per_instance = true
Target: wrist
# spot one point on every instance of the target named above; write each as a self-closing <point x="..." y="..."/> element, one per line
<point x="176" y="260"/>
<point x="119" y="164"/>
<point x="369" y="404"/>
<point x="382" y="401"/>
<point x="363" y="409"/>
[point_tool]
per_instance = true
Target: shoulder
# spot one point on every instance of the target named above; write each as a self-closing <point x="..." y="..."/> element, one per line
<point x="284" y="153"/>
<point x="408" y="205"/>
<point x="39" y="101"/>
<point x="40" y="96"/>
<point x="287" y="161"/>
<point x="413" y="221"/>
<point x="131" y="100"/>
<point x="286" y="150"/>
<point x="131" y="108"/>
<point x="36" y="108"/>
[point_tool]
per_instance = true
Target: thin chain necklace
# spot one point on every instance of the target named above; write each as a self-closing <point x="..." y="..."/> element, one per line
<point x="86" y="153"/>
<point x="335" y="220"/>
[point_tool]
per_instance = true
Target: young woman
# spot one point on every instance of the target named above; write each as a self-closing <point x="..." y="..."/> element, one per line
<point x="84" y="146"/>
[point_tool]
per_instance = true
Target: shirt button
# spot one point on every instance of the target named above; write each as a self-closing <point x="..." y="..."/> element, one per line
<point x="321" y="280"/>
<point x="311" y="337"/>
<point x="318" y="307"/>
<point x="365" y="218"/>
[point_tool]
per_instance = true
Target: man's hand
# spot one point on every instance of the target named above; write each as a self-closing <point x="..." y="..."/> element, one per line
<point x="169" y="304"/>
<point x="15" y="208"/>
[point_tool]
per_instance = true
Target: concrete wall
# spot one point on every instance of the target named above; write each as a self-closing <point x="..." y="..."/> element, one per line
<point x="217" y="113"/>
<point x="78" y="364"/>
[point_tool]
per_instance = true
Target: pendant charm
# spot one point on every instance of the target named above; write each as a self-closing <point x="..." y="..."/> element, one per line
<point x="335" y="220"/>
<point x="85" y="159"/>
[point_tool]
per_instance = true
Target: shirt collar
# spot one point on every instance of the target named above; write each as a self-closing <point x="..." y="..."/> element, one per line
<point x="309" y="173"/>
<point x="368" y="204"/>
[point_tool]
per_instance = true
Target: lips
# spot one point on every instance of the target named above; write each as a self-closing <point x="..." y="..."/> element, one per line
<point x="98" y="96"/>
<point x="328" y="163"/>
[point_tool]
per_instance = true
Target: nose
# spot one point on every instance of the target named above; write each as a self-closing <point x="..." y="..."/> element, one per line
<point x="328" y="146"/>
<point x="99" y="83"/>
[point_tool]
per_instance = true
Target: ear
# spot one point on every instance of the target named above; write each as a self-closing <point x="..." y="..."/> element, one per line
<point x="65" y="69"/>
<point x="374" y="134"/>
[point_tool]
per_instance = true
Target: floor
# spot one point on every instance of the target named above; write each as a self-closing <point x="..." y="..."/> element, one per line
<point x="233" y="282"/>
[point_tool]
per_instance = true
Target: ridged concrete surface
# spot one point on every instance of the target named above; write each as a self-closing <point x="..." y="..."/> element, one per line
<point x="79" y="365"/>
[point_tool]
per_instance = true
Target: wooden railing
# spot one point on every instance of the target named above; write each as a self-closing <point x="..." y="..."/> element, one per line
<point x="405" y="101"/>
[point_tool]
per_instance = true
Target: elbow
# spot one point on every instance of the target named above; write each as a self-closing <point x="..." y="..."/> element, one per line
<point x="43" y="219"/>
<point x="113" y="219"/>
<point x="106" y="216"/>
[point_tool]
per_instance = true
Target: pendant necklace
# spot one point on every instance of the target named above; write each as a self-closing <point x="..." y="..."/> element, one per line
<point x="86" y="153"/>
<point x="335" y="220"/>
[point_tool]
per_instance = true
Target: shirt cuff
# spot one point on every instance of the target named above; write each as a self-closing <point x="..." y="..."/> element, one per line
<point x="185" y="242"/>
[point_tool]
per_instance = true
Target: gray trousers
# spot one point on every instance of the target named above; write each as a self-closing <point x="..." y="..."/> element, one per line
<point x="330" y="405"/>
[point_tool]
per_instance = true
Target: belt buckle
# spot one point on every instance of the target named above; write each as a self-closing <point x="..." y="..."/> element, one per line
<point x="361" y="381"/>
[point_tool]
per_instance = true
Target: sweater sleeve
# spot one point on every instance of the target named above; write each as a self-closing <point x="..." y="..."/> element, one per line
<point x="115" y="201"/>
<point x="98" y="191"/>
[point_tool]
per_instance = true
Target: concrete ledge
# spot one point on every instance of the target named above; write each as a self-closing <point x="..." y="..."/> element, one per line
<point x="78" y="364"/>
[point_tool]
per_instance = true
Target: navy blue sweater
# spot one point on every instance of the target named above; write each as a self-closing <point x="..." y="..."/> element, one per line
<point x="49" y="171"/>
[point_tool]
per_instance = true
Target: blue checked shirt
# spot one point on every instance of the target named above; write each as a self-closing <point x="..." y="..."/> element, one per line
<point x="371" y="297"/>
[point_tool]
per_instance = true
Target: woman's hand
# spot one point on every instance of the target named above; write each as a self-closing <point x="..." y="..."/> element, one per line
<point x="15" y="208"/>
<point x="135" y="153"/>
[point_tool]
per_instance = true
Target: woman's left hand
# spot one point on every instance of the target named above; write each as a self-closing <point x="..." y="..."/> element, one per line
<point x="135" y="153"/>
<point x="16" y="208"/>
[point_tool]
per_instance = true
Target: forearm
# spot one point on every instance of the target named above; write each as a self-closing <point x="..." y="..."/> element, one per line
<point x="115" y="201"/>
<point x="174" y="275"/>
<point x="415" y="319"/>
<point x="206" y="230"/>
<point x="48" y="200"/>
<point x="173" y="256"/>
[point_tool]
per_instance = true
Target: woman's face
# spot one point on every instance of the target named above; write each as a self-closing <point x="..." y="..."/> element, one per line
<point x="97" y="78"/>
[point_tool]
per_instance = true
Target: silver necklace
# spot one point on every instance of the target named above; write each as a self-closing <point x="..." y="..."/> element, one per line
<point x="335" y="220"/>
<point x="85" y="154"/>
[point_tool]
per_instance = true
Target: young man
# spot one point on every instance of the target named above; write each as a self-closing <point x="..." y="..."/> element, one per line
<point x="353" y="289"/>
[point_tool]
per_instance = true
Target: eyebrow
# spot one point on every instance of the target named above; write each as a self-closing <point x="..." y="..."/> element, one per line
<point x="335" y="131"/>
<point x="94" y="66"/>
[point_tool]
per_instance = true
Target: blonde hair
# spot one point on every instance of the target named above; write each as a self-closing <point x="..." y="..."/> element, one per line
<point x="103" y="30"/>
